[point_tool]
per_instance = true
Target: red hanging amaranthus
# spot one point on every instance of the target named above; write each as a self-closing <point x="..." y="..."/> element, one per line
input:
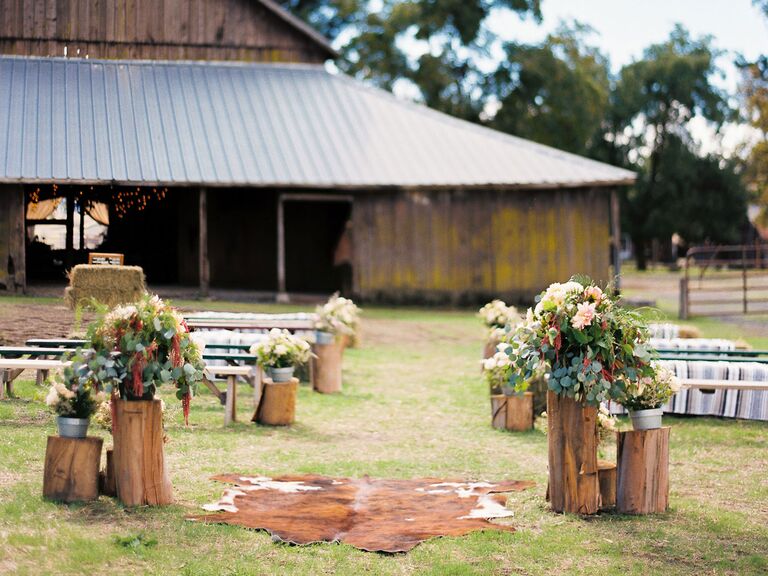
<point x="185" y="401"/>
<point x="139" y="363"/>
<point x="174" y="354"/>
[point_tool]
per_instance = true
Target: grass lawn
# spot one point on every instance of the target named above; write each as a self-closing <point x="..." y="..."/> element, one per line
<point x="413" y="405"/>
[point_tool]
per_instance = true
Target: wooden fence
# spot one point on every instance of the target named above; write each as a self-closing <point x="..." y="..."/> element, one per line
<point x="722" y="280"/>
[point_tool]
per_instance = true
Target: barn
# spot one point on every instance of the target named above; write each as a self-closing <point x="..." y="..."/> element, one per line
<point x="221" y="150"/>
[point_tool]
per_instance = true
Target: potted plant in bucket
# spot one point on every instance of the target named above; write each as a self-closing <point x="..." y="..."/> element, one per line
<point x="510" y="409"/>
<point x="279" y="353"/>
<point x="647" y="395"/>
<point x="588" y="348"/>
<point x="339" y="317"/>
<point x="74" y="403"/>
<point x="499" y="319"/>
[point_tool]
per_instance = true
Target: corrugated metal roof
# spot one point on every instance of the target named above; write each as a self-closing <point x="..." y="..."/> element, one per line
<point x="222" y="124"/>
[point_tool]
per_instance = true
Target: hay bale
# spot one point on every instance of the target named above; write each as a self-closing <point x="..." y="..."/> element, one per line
<point x="687" y="331"/>
<point x="110" y="285"/>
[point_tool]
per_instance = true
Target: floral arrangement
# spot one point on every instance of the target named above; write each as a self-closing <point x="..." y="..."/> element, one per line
<point x="582" y="342"/>
<point x="136" y="348"/>
<point x="339" y="316"/>
<point x="496" y="314"/>
<point x="80" y="401"/>
<point x="281" y="349"/>
<point x="652" y="391"/>
<point x="496" y="369"/>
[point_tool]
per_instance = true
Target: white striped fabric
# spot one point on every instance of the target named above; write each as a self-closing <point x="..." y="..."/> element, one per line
<point x="744" y="404"/>
<point x="664" y="330"/>
<point x="693" y="343"/>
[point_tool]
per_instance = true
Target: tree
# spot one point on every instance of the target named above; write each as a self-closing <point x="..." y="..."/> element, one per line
<point x="647" y="129"/>
<point x="377" y="38"/>
<point x="556" y="92"/>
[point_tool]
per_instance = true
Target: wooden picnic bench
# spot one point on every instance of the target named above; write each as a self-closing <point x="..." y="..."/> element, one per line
<point x="229" y="398"/>
<point x="11" y="368"/>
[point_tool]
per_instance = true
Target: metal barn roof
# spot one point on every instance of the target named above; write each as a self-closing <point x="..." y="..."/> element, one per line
<point x="236" y="124"/>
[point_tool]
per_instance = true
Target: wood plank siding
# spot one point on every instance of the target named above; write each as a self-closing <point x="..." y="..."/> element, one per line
<point x="154" y="30"/>
<point x="463" y="247"/>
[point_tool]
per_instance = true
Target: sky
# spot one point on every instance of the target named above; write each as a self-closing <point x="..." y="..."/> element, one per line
<point x="623" y="29"/>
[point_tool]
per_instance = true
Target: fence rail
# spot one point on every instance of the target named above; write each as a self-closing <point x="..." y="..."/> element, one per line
<point x="724" y="280"/>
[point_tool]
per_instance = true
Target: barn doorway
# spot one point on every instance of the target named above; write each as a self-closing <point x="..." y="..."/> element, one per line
<point x="316" y="244"/>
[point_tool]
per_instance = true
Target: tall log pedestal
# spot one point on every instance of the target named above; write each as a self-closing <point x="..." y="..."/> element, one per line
<point x="606" y="474"/>
<point x="277" y="406"/>
<point x="328" y="367"/>
<point x="513" y="413"/>
<point x="139" y="461"/>
<point x="643" y="471"/>
<point x="72" y="469"/>
<point x="573" y="472"/>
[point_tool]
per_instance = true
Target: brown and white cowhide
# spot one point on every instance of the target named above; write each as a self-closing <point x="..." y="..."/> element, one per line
<point x="370" y="514"/>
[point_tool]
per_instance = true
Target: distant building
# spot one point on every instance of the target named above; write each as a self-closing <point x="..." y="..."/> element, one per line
<point x="218" y="126"/>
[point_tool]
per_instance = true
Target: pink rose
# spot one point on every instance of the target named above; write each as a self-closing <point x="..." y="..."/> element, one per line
<point x="585" y="313"/>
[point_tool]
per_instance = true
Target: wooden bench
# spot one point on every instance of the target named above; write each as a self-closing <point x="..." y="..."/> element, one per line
<point x="712" y="384"/>
<point x="250" y="324"/>
<point x="11" y="368"/>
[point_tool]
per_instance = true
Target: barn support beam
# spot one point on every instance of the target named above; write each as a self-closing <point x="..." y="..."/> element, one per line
<point x="13" y="267"/>
<point x="70" y="225"/>
<point x="282" y="292"/>
<point x="616" y="238"/>
<point x="203" y="264"/>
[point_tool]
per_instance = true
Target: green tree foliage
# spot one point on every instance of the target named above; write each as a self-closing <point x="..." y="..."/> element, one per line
<point x="556" y="92"/>
<point x="647" y="130"/>
<point x="377" y="38"/>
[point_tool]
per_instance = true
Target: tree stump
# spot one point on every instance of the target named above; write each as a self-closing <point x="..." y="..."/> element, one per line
<point x="499" y="411"/>
<point x="606" y="474"/>
<point x="643" y="471"/>
<point x="140" y="474"/>
<point x="572" y="433"/>
<point x="490" y="348"/>
<point x="72" y="469"/>
<point x="107" y="476"/>
<point x="328" y="367"/>
<point x="520" y="412"/>
<point x="278" y="403"/>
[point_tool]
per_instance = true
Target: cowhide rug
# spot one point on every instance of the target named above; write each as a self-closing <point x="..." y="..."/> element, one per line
<point x="370" y="514"/>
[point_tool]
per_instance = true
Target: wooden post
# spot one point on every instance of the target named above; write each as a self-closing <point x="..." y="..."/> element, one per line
<point x="327" y="368"/>
<point x="230" y="410"/>
<point x="140" y="473"/>
<point x="643" y="471"/>
<point x="282" y="292"/>
<point x="278" y="403"/>
<point x="744" y="276"/>
<point x="683" y="312"/>
<point x="72" y="469"/>
<point x="606" y="474"/>
<point x="572" y="433"/>
<point x="70" y="232"/>
<point x="519" y="417"/>
<point x="14" y="262"/>
<point x="616" y="238"/>
<point x="82" y="225"/>
<point x="204" y="264"/>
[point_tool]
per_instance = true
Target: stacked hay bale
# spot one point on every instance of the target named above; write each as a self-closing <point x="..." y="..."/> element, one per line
<point x="106" y="284"/>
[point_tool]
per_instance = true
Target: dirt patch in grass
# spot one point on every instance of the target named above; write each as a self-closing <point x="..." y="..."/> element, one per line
<point x="20" y="322"/>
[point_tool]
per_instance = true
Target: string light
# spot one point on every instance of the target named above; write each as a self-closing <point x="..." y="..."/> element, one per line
<point x="123" y="200"/>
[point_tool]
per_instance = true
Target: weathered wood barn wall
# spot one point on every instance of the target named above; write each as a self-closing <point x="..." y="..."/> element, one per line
<point x="471" y="245"/>
<point x="154" y="30"/>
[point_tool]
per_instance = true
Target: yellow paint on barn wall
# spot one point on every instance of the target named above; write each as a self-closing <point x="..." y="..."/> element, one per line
<point x="483" y="242"/>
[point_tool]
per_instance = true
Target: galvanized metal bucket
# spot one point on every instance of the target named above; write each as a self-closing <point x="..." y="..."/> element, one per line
<point x="646" y="419"/>
<point x="324" y="338"/>
<point x="281" y="374"/>
<point x="72" y="427"/>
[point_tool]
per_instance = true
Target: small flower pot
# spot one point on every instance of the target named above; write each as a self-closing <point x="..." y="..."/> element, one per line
<point x="281" y="374"/>
<point x="72" y="427"/>
<point x="324" y="338"/>
<point x="646" y="419"/>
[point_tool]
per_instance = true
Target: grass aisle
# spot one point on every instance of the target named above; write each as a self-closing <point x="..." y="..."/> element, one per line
<point x="413" y="405"/>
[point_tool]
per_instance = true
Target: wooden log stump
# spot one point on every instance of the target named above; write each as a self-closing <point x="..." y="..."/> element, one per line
<point x="499" y="411"/>
<point x="72" y="469"/>
<point x="278" y="403"/>
<point x="572" y="436"/>
<point x="606" y="474"/>
<point x="490" y="348"/>
<point x="520" y="412"/>
<point x="643" y="471"/>
<point x="140" y="474"/>
<point x="107" y="476"/>
<point x="327" y="366"/>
